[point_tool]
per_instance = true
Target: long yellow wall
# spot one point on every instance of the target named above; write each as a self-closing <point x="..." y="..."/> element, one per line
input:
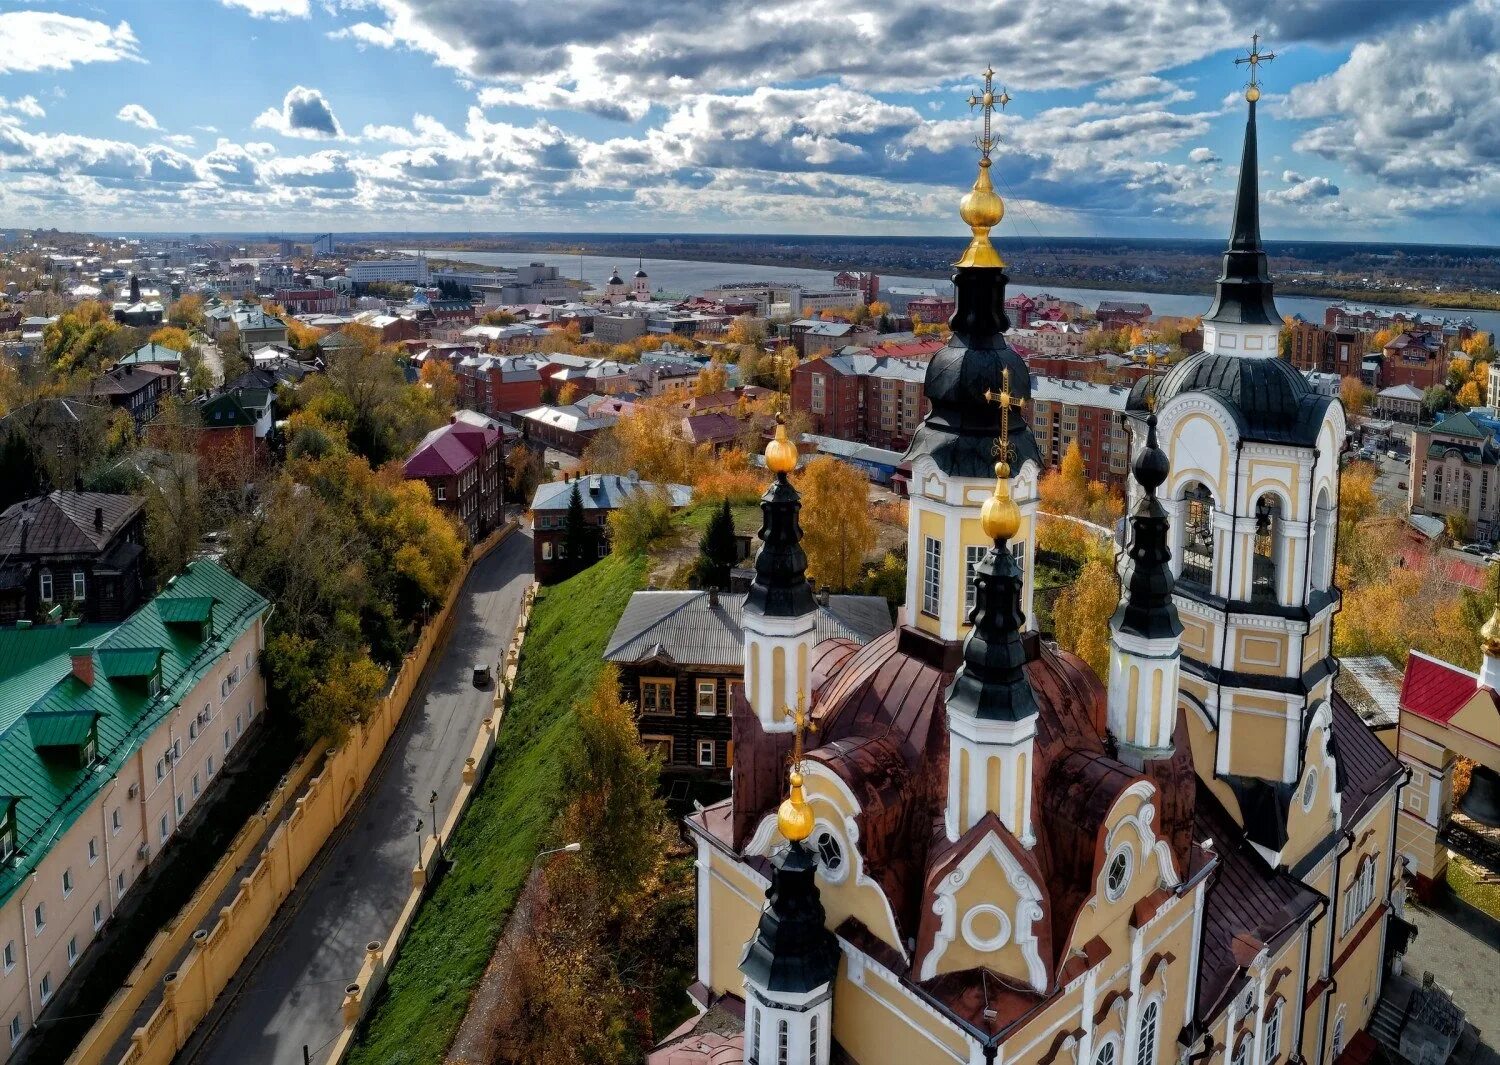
<point x="190" y="991"/>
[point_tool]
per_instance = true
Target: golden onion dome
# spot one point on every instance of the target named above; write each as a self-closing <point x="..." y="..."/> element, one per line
<point x="781" y="453"/>
<point x="1252" y="93"/>
<point x="1489" y="634"/>
<point x="1000" y="517"/>
<point x="795" y="817"/>
<point x="982" y="209"/>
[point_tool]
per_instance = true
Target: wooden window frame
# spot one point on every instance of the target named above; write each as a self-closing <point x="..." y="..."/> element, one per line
<point x="670" y="683"/>
<point x="701" y="686"/>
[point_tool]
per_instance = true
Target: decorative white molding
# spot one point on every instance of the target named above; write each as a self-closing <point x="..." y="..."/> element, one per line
<point x="1027" y="912"/>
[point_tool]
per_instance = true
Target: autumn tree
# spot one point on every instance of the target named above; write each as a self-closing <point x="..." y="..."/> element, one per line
<point x="174" y="337"/>
<point x="174" y="498"/>
<point x="837" y="531"/>
<point x="1081" y="615"/>
<point x="567" y="394"/>
<point x="1469" y="396"/>
<point x="713" y="378"/>
<point x="438" y="378"/>
<point x="1066" y="489"/>
<point x="1355" y="394"/>
<point x="644" y="519"/>
<point x="187" y="312"/>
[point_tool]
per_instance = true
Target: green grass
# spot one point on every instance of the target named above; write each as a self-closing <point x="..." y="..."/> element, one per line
<point x="1466" y="885"/>
<point x="455" y="931"/>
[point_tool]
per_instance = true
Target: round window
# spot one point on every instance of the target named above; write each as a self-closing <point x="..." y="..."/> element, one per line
<point x="1310" y="789"/>
<point x="830" y="854"/>
<point x="1117" y="875"/>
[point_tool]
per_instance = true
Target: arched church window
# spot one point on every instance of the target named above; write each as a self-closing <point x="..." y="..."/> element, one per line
<point x="830" y="854"/>
<point x="1269" y="544"/>
<point x="1106" y="1055"/>
<point x="1146" y="1044"/>
<point x="1242" y="1052"/>
<point x="1198" y="536"/>
<point x="1322" y="542"/>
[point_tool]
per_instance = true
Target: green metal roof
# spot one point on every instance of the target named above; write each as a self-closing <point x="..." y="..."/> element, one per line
<point x="36" y="679"/>
<point x="186" y="609"/>
<point x="1459" y="425"/>
<point x="60" y="728"/>
<point x="118" y="663"/>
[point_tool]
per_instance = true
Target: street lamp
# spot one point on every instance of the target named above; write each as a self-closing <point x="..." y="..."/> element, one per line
<point x="419" y="843"/>
<point x="432" y="801"/>
<point x="567" y="848"/>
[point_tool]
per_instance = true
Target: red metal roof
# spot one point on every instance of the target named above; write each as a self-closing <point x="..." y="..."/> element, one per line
<point x="1435" y="690"/>
<point x="448" y="450"/>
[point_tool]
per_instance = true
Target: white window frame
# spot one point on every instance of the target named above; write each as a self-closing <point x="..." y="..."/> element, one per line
<point x="709" y="747"/>
<point x="1271" y="1036"/>
<point x="932" y="576"/>
<point x="80" y="585"/>
<point x="710" y="688"/>
<point x="44" y="585"/>
<point x="973" y="555"/>
<point x="1148" y="1033"/>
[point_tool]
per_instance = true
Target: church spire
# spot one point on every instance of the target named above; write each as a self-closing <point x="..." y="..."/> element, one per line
<point x="1244" y="294"/>
<point x="1145" y="630"/>
<point x="780" y="587"/>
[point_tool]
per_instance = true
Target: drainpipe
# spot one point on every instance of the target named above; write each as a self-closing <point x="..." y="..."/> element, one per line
<point x="1345" y="846"/>
<point x="1306" y="596"/>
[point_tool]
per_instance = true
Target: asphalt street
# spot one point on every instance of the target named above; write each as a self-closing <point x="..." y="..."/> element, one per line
<point x="289" y="992"/>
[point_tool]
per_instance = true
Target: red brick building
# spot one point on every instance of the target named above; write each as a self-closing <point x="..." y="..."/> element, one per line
<point x="1064" y="411"/>
<point x="312" y="300"/>
<point x="1339" y="350"/>
<point x="855" y="395"/>
<point x="1419" y="359"/>
<point x="930" y="309"/>
<point x="1113" y="314"/>
<point x="502" y="384"/>
<point x="460" y="462"/>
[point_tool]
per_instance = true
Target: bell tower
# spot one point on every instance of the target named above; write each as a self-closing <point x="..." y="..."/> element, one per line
<point x="978" y="388"/>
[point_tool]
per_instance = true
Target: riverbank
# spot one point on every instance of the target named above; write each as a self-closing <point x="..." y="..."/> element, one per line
<point x="1436" y="302"/>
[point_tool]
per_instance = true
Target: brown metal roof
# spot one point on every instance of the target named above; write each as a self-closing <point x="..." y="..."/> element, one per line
<point x="63" y="523"/>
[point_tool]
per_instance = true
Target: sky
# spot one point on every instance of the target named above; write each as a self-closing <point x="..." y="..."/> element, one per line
<point x="1380" y="119"/>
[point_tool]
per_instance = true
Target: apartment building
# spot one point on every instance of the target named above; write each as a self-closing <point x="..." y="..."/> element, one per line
<point x="1064" y="411"/>
<point x="109" y="736"/>
<point x="406" y="271"/>
<point x="855" y="395"/>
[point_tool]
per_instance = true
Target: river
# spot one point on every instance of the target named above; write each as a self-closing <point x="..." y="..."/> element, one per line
<point x="688" y="277"/>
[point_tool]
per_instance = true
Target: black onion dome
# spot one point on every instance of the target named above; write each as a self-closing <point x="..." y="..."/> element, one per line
<point x="780" y="587"/>
<point x="640" y="273"/>
<point x="1146" y="609"/>
<point x="792" y="951"/>
<point x="991" y="684"/>
<point x="1270" y="399"/>
<point x="615" y="279"/>
<point x="960" y="430"/>
<point x="1244" y="294"/>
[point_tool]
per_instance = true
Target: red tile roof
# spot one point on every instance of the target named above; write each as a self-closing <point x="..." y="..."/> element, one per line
<point x="449" y="450"/>
<point x="1434" y="689"/>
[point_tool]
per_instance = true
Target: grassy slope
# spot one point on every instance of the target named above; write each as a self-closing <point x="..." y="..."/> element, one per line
<point x="1466" y="885"/>
<point x="455" y="931"/>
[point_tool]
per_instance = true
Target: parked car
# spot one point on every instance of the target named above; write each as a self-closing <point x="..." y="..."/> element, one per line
<point x="482" y="675"/>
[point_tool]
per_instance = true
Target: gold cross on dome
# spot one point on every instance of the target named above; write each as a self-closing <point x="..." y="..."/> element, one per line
<point x="801" y="722"/>
<point x="1254" y="59"/>
<point x="987" y="101"/>
<point x="1006" y="401"/>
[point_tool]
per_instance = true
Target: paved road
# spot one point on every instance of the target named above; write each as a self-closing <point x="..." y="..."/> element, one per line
<point x="291" y="995"/>
<point x="1462" y="947"/>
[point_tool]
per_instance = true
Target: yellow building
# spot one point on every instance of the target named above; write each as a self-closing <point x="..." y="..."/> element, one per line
<point x="984" y="854"/>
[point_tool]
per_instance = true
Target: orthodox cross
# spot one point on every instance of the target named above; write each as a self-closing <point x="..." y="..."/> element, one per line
<point x="1254" y="59"/>
<point x="987" y="101"/>
<point x="801" y="723"/>
<point x="1005" y="401"/>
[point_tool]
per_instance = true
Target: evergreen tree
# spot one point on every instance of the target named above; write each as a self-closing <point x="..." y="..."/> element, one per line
<point x="717" y="549"/>
<point x="578" y="538"/>
<point x="21" y="474"/>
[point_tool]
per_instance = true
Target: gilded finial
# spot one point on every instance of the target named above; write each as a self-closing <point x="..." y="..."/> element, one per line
<point x="981" y="208"/>
<point x="795" y="817"/>
<point x="1254" y="59"/>
<point x="1489" y="634"/>
<point x="1000" y="517"/>
<point x="781" y="453"/>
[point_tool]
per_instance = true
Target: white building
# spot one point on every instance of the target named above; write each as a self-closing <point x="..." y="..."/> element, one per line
<point x="409" y="271"/>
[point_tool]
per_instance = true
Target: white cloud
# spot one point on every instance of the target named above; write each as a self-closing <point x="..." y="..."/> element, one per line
<point x="303" y="113"/>
<point x="1204" y="155"/>
<point x="276" y="9"/>
<point x="179" y="140"/>
<point x="23" y="105"/>
<point x="46" y="40"/>
<point x="136" y="115"/>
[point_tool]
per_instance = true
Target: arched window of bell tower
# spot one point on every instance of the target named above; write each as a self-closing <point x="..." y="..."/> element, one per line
<point x="1324" y="516"/>
<point x="1270" y="548"/>
<point x="1198" y="536"/>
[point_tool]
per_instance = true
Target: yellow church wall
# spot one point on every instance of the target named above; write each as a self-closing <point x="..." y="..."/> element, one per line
<point x="877" y="1024"/>
<point x="1197" y="639"/>
<point x="1307" y="828"/>
<point x="1266" y="653"/>
<point x="1202" y="739"/>
<point x="1199" y="451"/>
<point x="1372" y="839"/>
<point x="1257" y="739"/>
<point x="1357" y="983"/>
<point x="735" y="901"/>
<point x="1316" y="644"/>
<point x="1477" y="725"/>
<point x="987" y="885"/>
<point x="849" y="897"/>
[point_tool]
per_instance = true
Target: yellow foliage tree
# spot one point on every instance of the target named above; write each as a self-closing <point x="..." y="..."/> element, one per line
<point x="1355" y="394"/>
<point x="1081" y="616"/>
<point x="567" y="394"/>
<point x="713" y="378"/>
<point x="650" y="442"/>
<point x="171" y="336"/>
<point x="1469" y="395"/>
<point x="1067" y="490"/>
<point x="837" y="531"/>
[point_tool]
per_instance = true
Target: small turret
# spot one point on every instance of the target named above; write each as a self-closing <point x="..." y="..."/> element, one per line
<point x="1145" y="630"/>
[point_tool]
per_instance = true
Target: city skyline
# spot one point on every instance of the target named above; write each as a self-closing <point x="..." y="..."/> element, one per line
<point x="250" y="115"/>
